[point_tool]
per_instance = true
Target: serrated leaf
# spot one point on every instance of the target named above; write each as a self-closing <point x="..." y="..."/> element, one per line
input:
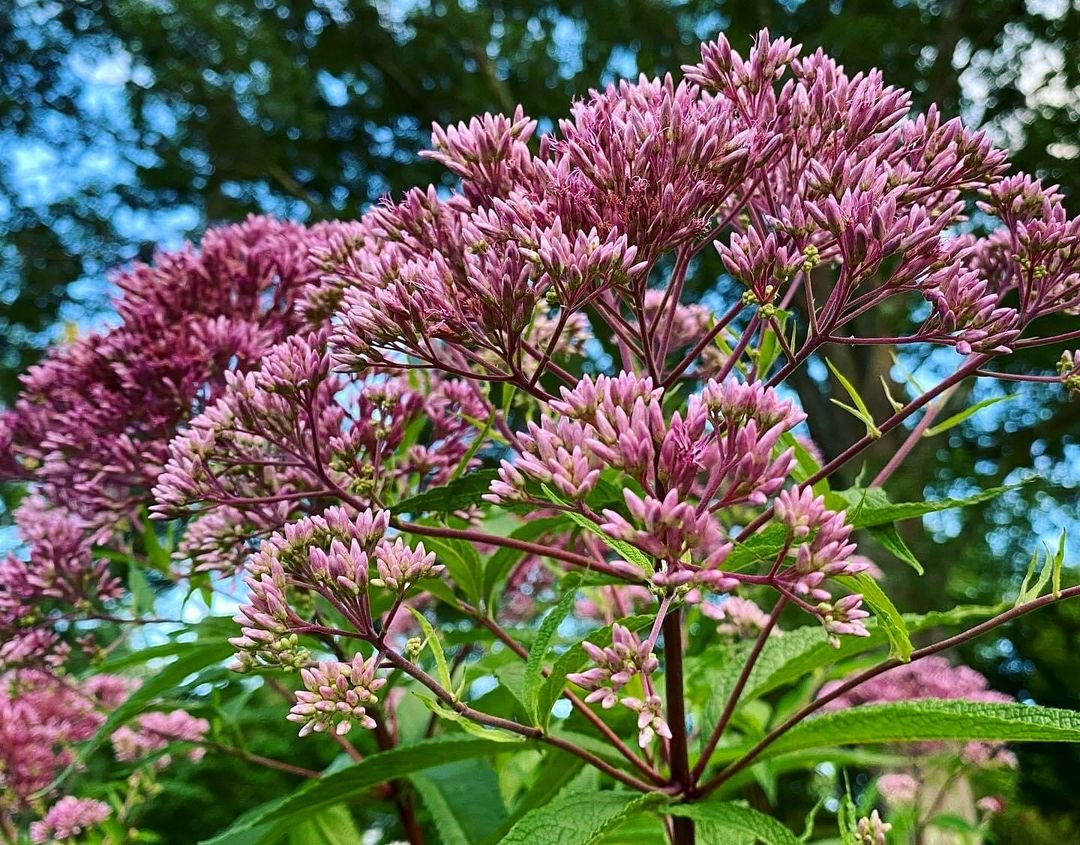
<point x="787" y="658"/>
<point x="534" y="665"/>
<point x="960" y="417"/>
<point x="736" y="817"/>
<point x="555" y="772"/>
<point x="578" y="818"/>
<point x="888" y="616"/>
<point x="459" y="494"/>
<point x="333" y="826"/>
<point x="848" y="818"/>
<point x="463" y="799"/>
<point x="926" y="720"/>
<point x="346" y="784"/>
<point x="432" y="639"/>
<point x="892" y="542"/>
<point x="757" y="548"/>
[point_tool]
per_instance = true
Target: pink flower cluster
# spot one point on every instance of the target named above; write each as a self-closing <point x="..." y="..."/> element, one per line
<point x="329" y="555"/>
<point x="154" y="732"/>
<point x="44" y="717"/>
<point x="95" y="418"/>
<point x="68" y="818"/>
<point x="293" y="432"/>
<point x="613" y="668"/>
<point x="719" y="455"/>
<point x="59" y="574"/>
<point x="336" y="695"/>
<point x="92" y="426"/>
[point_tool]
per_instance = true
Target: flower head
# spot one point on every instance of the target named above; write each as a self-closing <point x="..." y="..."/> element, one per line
<point x="336" y="695"/>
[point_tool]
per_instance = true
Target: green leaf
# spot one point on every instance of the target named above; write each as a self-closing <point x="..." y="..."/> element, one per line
<point x="892" y="542"/>
<point x="463" y="799"/>
<point x="157" y="555"/>
<point x="534" y="666"/>
<point x="888" y="616"/>
<point x="848" y="818"/>
<point x="628" y="552"/>
<point x="757" y="548"/>
<point x="1051" y="569"/>
<point x="194" y="658"/>
<point x="578" y="818"/>
<point x="457" y="495"/>
<point x="432" y="639"/>
<point x="555" y="772"/>
<point x="462" y="562"/>
<point x="142" y="596"/>
<point x="736" y="817"/>
<point x="769" y="348"/>
<point x="468" y="725"/>
<point x="791" y="656"/>
<point x="333" y="826"/>
<point x="346" y="784"/>
<point x="956" y="419"/>
<point x="877" y="510"/>
<point x="931" y="720"/>
<point x="806" y="465"/>
<point x="860" y="411"/>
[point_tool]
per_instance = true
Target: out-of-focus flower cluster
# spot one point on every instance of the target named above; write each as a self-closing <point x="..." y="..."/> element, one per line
<point x="44" y="717"/>
<point x="153" y="732"/>
<point x="61" y="575"/>
<point x="67" y="818"/>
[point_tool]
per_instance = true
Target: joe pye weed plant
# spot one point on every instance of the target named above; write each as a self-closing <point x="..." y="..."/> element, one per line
<point x="542" y="544"/>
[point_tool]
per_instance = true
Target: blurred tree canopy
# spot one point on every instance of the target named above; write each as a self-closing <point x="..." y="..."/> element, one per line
<point x="128" y="122"/>
<point x="125" y="123"/>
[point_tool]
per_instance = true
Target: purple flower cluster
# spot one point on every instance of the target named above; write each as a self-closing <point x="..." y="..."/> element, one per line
<point x="44" y="716"/>
<point x="720" y="454"/>
<point x="293" y="432"/>
<point x="60" y="573"/>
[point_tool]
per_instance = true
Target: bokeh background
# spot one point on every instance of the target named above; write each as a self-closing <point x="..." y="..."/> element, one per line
<point x="131" y="124"/>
